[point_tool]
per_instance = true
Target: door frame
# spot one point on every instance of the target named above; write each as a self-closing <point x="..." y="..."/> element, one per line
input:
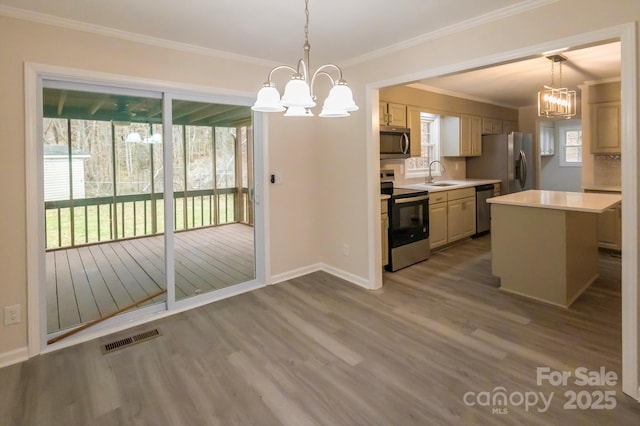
<point x="35" y="74"/>
<point x="626" y="33"/>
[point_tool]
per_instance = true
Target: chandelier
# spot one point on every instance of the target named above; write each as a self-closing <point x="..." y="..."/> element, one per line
<point x="299" y="97"/>
<point x="556" y="102"/>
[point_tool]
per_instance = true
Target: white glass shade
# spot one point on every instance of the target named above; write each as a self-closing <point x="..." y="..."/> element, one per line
<point x="133" y="137"/>
<point x="340" y="98"/>
<point x="297" y="94"/>
<point x="296" y="111"/>
<point x="330" y="113"/>
<point x="268" y="100"/>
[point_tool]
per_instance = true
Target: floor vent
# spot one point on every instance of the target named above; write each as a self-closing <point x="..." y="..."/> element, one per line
<point x="131" y="340"/>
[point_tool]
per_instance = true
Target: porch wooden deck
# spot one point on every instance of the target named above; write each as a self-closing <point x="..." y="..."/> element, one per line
<point x="87" y="283"/>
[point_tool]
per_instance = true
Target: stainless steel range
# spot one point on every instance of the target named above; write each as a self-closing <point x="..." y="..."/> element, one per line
<point x="408" y="224"/>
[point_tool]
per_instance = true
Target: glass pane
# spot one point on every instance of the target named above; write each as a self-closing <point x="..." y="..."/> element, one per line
<point x="574" y="154"/>
<point x="211" y="144"/>
<point x="573" y="138"/>
<point x="100" y="197"/>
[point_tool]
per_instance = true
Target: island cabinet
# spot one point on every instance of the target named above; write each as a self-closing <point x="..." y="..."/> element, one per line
<point x="452" y="216"/>
<point x="393" y="114"/>
<point x="384" y="221"/>
<point x="610" y="228"/>
<point x="544" y="243"/>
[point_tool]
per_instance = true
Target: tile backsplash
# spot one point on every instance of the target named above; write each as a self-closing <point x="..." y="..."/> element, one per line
<point x="456" y="168"/>
<point x="607" y="170"/>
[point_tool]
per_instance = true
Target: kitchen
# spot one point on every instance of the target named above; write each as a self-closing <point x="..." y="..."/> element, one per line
<point x="493" y="105"/>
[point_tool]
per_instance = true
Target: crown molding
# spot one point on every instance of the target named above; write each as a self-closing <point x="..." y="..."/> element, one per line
<point x="42" y="18"/>
<point x="427" y="88"/>
<point x="505" y="12"/>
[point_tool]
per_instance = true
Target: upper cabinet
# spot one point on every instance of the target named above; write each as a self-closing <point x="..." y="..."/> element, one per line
<point x="461" y="136"/>
<point x="547" y="140"/>
<point x="415" y="125"/>
<point x="393" y="114"/>
<point x="491" y="126"/>
<point x="605" y="127"/>
<point x="509" y="126"/>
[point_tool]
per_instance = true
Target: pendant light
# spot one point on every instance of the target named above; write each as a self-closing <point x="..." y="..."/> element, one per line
<point x="556" y="102"/>
<point x="299" y="97"/>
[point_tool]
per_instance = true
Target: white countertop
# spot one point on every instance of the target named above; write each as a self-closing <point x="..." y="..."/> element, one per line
<point x="602" y="188"/>
<point x="384" y="197"/>
<point x="456" y="184"/>
<point x="559" y="200"/>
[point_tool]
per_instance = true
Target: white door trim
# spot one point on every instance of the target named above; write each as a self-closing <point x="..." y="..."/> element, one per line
<point x="36" y="298"/>
<point x="630" y="165"/>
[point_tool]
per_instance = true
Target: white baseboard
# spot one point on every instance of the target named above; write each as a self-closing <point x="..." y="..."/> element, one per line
<point x="295" y="273"/>
<point x="14" y="357"/>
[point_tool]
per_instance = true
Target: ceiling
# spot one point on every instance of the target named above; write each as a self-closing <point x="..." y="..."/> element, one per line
<point x="516" y="84"/>
<point x="339" y="32"/>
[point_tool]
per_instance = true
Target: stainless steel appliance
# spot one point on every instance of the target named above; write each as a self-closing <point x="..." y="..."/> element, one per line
<point x="483" y="209"/>
<point x="395" y="142"/>
<point x="408" y="226"/>
<point x="505" y="157"/>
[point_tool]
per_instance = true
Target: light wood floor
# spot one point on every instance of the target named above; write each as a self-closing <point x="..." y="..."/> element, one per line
<point x="87" y="283"/>
<point x="317" y="350"/>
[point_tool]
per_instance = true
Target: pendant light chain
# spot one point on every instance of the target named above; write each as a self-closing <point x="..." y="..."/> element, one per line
<point x="306" y="25"/>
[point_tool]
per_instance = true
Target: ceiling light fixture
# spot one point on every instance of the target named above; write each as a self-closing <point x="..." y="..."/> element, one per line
<point x="556" y="102"/>
<point x="299" y="97"/>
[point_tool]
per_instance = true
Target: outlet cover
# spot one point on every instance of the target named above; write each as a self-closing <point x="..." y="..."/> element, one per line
<point x="12" y="315"/>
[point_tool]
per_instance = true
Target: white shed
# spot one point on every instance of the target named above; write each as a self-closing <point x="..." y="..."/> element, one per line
<point x="56" y="172"/>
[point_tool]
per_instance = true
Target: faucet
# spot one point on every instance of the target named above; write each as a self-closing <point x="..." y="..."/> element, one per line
<point x="429" y="178"/>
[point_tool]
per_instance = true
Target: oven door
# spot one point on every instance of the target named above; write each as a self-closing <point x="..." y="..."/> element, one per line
<point x="409" y="219"/>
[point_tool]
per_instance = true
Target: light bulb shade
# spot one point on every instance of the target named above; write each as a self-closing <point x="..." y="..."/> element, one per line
<point x="297" y="94"/>
<point x="340" y="98"/>
<point x="331" y="113"/>
<point x="297" y="111"/>
<point x="268" y="100"/>
<point x="133" y="137"/>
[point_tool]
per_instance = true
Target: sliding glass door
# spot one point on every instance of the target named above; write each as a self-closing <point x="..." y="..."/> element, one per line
<point x="105" y="201"/>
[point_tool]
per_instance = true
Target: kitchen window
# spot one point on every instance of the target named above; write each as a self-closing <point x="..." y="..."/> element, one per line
<point x="429" y="139"/>
<point x="570" y="146"/>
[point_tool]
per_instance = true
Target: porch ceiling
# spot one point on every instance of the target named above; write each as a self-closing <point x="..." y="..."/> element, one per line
<point x="61" y="103"/>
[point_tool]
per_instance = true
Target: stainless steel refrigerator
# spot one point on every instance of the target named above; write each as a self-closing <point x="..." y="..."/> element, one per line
<point x="505" y="157"/>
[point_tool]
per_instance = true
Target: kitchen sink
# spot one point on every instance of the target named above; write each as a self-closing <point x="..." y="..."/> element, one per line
<point x="442" y="184"/>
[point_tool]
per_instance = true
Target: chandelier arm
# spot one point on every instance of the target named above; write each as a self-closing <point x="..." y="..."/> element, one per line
<point x="279" y="67"/>
<point x="321" y="71"/>
<point x="305" y="69"/>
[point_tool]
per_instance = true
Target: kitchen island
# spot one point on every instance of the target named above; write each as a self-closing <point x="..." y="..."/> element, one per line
<point x="544" y="243"/>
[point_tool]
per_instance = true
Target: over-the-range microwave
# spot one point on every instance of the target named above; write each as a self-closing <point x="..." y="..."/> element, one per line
<point x="395" y="142"/>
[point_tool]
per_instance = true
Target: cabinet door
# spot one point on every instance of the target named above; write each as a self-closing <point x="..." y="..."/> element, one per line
<point x="465" y="135"/>
<point x="609" y="228"/>
<point x="385" y="239"/>
<point x="397" y="115"/>
<point x="605" y="127"/>
<point x="476" y="136"/>
<point x="384" y="121"/>
<point x="413" y="120"/>
<point x="437" y="224"/>
<point x="455" y="222"/>
<point x="468" y="216"/>
<point x="487" y="125"/>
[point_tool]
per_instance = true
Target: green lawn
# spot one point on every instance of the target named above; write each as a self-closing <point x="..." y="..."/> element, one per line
<point x="133" y="221"/>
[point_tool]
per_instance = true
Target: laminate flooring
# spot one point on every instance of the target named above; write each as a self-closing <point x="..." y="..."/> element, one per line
<point x="317" y="350"/>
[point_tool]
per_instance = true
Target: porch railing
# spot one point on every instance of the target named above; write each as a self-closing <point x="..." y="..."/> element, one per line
<point x="85" y="221"/>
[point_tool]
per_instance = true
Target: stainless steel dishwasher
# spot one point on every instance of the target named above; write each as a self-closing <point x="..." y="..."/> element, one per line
<point x="483" y="209"/>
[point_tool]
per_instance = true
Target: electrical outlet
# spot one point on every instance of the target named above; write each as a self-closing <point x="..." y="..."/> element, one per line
<point x="345" y="249"/>
<point x="12" y="315"/>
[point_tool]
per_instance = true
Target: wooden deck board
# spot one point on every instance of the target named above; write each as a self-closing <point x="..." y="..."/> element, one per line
<point x="86" y="283"/>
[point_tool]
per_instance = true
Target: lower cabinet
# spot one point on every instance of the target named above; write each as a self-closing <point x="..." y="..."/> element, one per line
<point x="452" y="216"/>
<point x="384" y="220"/>
<point x="610" y="228"/>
